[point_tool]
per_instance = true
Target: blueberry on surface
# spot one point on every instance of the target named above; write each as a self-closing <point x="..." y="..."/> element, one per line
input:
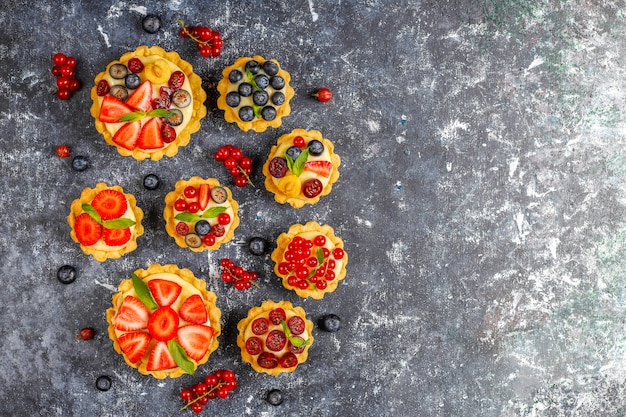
<point x="330" y="323"/>
<point x="103" y="383"/>
<point x="151" y="182"/>
<point x="258" y="246"/>
<point x="275" y="397"/>
<point x="151" y="23"/>
<point x="80" y="163"/>
<point x="66" y="274"/>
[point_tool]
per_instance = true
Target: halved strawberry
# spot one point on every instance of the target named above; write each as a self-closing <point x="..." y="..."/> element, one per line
<point x="163" y="323"/>
<point x="160" y="358"/>
<point x="165" y="292"/>
<point x="112" y="109"/>
<point x="110" y="204"/>
<point x="116" y="237"/>
<point x="204" y="195"/>
<point x="132" y="315"/>
<point x="141" y="98"/>
<point x="150" y="136"/>
<point x="322" y="168"/>
<point x="127" y="135"/>
<point x="193" y="310"/>
<point x="87" y="230"/>
<point x="134" y="345"/>
<point x="195" y="339"/>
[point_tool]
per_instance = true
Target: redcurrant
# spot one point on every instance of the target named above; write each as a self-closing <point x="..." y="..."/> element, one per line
<point x="323" y="95"/>
<point x="63" y="151"/>
<point x="190" y="191"/>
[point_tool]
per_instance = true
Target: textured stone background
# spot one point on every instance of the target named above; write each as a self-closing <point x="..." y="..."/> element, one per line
<point x="482" y="201"/>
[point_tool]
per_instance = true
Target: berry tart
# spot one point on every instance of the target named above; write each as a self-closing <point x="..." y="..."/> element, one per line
<point x="301" y="168"/>
<point x="200" y="214"/>
<point x="275" y="337"/>
<point x="255" y="93"/>
<point x="310" y="259"/>
<point x="163" y="321"/>
<point x="148" y="103"/>
<point x="105" y="221"/>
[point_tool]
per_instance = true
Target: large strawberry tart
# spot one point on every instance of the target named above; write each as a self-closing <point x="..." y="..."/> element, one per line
<point x="105" y="221"/>
<point x="163" y="321"/>
<point x="148" y="103"/>
<point x="301" y="168"/>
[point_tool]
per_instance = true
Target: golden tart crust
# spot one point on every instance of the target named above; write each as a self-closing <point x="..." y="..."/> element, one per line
<point x="100" y="251"/>
<point x="170" y="212"/>
<point x="192" y="286"/>
<point x="193" y="113"/>
<point x="291" y="192"/>
<point x="263" y="311"/>
<point x="258" y="124"/>
<point x="334" y="246"/>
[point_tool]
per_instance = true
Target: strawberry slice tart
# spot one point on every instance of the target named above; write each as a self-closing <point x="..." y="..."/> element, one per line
<point x="301" y="168"/>
<point x="163" y="321"/>
<point x="105" y="221"/>
<point x="275" y="337"/>
<point x="148" y="103"/>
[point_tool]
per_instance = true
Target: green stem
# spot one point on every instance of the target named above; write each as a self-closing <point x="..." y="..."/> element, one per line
<point x="195" y="400"/>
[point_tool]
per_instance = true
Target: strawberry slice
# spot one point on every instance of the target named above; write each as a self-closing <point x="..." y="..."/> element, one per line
<point x="193" y="310"/>
<point x="134" y="345"/>
<point x="150" y="136"/>
<point x="204" y="195"/>
<point x="132" y="315"/>
<point x="165" y="292"/>
<point x="116" y="237"/>
<point x="322" y="168"/>
<point x="112" y="109"/>
<point x="141" y="98"/>
<point x="87" y="230"/>
<point x="127" y="135"/>
<point x="160" y="358"/>
<point x="163" y="323"/>
<point x="195" y="339"/>
<point x="110" y="204"/>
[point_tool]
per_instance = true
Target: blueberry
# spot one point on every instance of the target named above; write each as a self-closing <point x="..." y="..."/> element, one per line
<point x="275" y="397"/>
<point x="245" y="89"/>
<point x="66" y="274"/>
<point x="202" y="227"/>
<point x="268" y="113"/>
<point x="80" y="163"/>
<point x="278" y="98"/>
<point x="258" y="246"/>
<point x="233" y="99"/>
<point x="270" y="68"/>
<point x="277" y="82"/>
<point x="294" y="152"/>
<point x="151" y="182"/>
<point x="260" y="98"/>
<point x="253" y="66"/>
<point x="132" y="81"/>
<point x="176" y="118"/>
<point x="262" y="81"/>
<point x="316" y="147"/>
<point x="151" y="23"/>
<point x="330" y="323"/>
<point x="235" y="76"/>
<point x="246" y="113"/>
<point x="103" y="383"/>
<point x="118" y="71"/>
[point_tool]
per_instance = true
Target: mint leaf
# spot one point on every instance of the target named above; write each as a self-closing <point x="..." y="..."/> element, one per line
<point x="250" y="76"/>
<point x="187" y="217"/>
<point x="160" y="113"/>
<point x="213" y="212"/>
<point x="296" y="341"/>
<point x="319" y="254"/>
<point x="121" y="223"/>
<point x="297" y="167"/>
<point x="132" y="116"/>
<point x="88" y="208"/>
<point x="143" y="292"/>
<point x="180" y="356"/>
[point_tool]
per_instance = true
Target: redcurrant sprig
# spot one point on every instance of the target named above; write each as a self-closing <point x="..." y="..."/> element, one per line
<point x="238" y="164"/>
<point x="238" y="276"/>
<point x="219" y="384"/>
<point x="64" y="69"/>
<point x="208" y="41"/>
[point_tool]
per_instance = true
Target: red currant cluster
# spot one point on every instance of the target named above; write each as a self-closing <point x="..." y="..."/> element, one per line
<point x="219" y="384"/>
<point x="209" y="42"/>
<point x="239" y="277"/>
<point x="64" y="69"/>
<point x="239" y="165"/>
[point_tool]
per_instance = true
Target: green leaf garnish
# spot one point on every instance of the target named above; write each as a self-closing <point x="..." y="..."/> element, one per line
<point x="296" y="341"/>
<point x="143" y="292"/>
<point x="187" y="217"/>
<point x="88" y="208"/>
<point x="160" y="113"/>
<point x="250" y="76"/>
<point x="180" y="356"/>
<point x="139" y="114"/>
<point x="121" y="223"/>
<point x="319" y="254"/>
<point x="213" y="212"/>
<point x="257" y="111"/>
<point x="297" y="167"/>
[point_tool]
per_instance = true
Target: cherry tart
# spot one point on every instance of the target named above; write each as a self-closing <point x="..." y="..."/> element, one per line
<point x="301" y="168"/>
<point x="163" y="321"/>
<point x="275" y="337"/>
<point x="148" y="103"/>
<point x="200" y="214"/>
<point x="310" y="259"/>
<point x="105" y="221"/>
<point x="255" y="93"/>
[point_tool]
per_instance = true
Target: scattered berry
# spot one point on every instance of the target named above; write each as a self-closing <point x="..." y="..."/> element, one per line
<point x="275" y="397"/>
<point x="238" y="276"/>
<point x="258" y="246"/>
<point x="151" y="23"/>
<point x="103" y="383"/>
<point x="323" y="94"/>
<point x="218" y="384"/>
<point x="239" y="165"/>
<point x="80" y="163"/>
<point x="86" y="333"/>
<point x="66" y="274"/>
<point x="209" y="42"/>
<point x="151" y="182"/>
<point x="63" y="151"/>
<point x="330" y="323"/>
<point x="64" y="69"/>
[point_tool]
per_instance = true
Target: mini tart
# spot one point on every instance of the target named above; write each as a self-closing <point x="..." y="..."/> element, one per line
<point x="274" y="98"/>
<point x="264" y="343"/>
<point x="297" y="259"/>
<point x="149" y="137"/>
<point x="306" y="180"/>
<point x="96" y="245"/>
<point x="212" y="199"/>
<point x="179" y="292"/>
